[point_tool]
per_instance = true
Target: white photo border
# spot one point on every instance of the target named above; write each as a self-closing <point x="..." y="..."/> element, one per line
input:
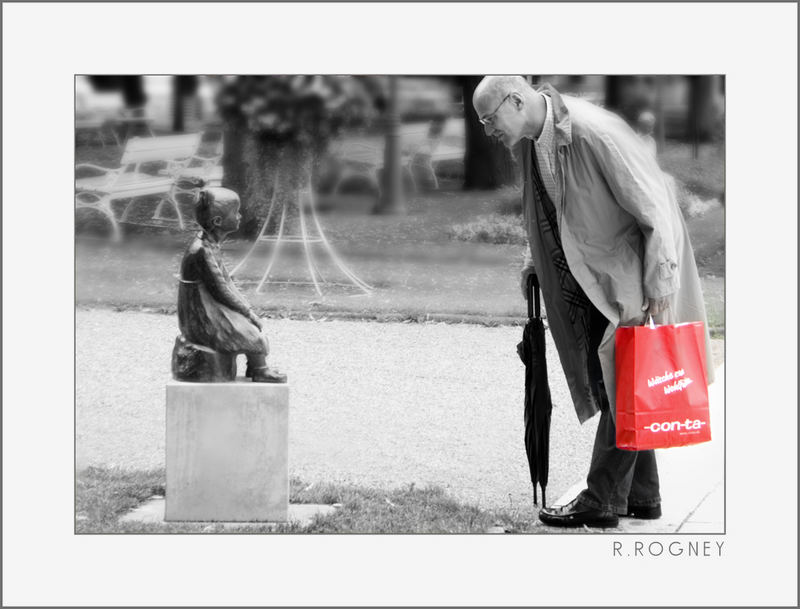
<point x="44" y="45"/>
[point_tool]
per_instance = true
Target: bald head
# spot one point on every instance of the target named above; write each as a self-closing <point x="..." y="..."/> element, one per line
<point x="509" y="108"/>
<point x="494" y="88"/>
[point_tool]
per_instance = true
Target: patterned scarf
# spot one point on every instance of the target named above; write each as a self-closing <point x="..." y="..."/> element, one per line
<point x="578" y="305"/>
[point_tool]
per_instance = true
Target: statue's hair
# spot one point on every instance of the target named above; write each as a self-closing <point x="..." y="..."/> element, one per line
<point x="212" y="202"/>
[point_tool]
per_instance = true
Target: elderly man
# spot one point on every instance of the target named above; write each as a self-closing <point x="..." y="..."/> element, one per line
<point x="610" y="247"/>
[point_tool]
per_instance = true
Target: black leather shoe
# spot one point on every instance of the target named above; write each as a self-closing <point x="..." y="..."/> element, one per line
<point x="575" y="514"/>
<point x="267" y="375"/>
<point x="644" y="512"/>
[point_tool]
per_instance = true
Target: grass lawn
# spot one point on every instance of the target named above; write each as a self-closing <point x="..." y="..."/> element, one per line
<point x="416" y="269"/>
<point x="419" y="271"/>
<point x="704" y="176"/>
<point x="103" y="495"/>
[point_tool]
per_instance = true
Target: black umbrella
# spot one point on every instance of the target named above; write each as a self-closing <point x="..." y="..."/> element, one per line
<point x="538" y="405"/>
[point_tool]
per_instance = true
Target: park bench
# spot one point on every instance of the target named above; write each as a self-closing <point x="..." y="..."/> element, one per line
<point x="129" y="121"/>
<point x="91" y="125"/>
<point x="445" y="142"/>
<point x="422" y="145"/>
<point x="206" y="168"/>
<point x="119" y="124"/>
<point x="129" y="182"/>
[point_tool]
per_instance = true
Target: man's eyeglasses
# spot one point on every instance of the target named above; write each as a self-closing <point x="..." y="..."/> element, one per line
<point x="489" y="118"/>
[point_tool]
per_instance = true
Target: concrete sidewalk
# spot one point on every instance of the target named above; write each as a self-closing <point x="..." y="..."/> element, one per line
<point x="381" y="405"/>
<point x="692" y="481"/>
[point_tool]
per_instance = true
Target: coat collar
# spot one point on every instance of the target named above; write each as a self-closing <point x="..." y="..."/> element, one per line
<point x="562" y="123"/>
<point x="209" y="241"/>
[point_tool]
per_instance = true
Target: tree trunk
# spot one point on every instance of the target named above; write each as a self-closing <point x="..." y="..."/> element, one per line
<point x="254" y="167"/>
<point x="392" y="199"/>
<point x="177" y="105"/>
<point x="133" y="91"/>
<point x="184" y="88"/>
<point x="234" y="163"/>
<point x="487" y="163"/>
<point x="131" y="87"/>
<point x="701" y="112"/>
<point x="660" y="129"/>
<point x="613" y="93"/>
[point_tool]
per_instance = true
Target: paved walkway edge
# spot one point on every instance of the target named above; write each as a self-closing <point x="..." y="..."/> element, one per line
<point x="302" y="514"/>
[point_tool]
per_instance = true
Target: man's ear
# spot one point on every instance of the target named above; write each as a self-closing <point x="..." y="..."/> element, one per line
<point x="517" y="100"/>
<point x="216" y="221"/>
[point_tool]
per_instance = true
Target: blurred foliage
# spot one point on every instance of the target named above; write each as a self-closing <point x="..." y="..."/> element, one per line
<point x="302" y="109"/>
<point x="491" y="228"/>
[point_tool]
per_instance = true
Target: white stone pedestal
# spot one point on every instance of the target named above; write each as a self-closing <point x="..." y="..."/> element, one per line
<point x="227" y="452"/>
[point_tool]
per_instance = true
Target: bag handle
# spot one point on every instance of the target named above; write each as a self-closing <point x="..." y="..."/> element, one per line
<point x="649" y="322"/>
<point x="533" y="297"/>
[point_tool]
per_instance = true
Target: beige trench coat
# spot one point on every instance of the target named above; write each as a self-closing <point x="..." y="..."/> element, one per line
<point x="623" y="235"/>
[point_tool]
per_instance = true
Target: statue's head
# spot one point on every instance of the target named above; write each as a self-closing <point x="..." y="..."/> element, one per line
<point x="218" y="209"/>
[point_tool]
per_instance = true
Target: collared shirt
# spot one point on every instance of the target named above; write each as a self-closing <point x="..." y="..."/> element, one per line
<point x="545" y="146"/>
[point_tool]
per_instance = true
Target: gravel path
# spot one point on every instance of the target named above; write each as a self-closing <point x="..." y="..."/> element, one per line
<point x="382" y="404"/>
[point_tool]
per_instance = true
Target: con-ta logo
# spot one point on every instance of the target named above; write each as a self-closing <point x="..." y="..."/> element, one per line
<point x="686" y="425"/>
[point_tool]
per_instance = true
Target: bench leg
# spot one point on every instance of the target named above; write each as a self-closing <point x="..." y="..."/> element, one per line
<point x="171" y="200"/>
<point x="433" y="176"/>
<point x="157" y="213"/>
<point x="116" y="137"/>
<point x="126" y="211"/>
<point x="376" y="179"/>
<point x="373" y="176"/>
<point x="344" y="175"/>
<point x="116" y="234"/>
<point x="426" y="163"/>
<point x="103" y="205"/>
<point x="410" y="171"/>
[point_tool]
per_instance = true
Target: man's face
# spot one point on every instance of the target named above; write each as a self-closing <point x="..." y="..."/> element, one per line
<point x="502" y="117"/>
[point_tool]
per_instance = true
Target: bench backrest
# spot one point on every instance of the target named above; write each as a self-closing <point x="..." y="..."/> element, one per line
<point x="160" y="148"/>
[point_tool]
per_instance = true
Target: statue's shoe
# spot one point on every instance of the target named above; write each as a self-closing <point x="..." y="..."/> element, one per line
<point x="267" y="375"/>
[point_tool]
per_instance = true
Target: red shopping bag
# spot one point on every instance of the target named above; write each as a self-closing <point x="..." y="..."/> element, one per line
<point x="662" y="392"/>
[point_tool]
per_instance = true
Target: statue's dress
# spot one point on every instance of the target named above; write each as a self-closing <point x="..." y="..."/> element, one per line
<point x="211" y="310"/>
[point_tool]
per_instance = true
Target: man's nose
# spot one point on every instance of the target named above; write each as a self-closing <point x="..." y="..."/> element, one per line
<point x="488" y="129"/>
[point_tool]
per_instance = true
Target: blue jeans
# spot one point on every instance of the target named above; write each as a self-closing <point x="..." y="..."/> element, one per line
<point x="617" y="478"/>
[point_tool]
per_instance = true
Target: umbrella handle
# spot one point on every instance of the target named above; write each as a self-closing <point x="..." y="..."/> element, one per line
<point x="533" y="296"/>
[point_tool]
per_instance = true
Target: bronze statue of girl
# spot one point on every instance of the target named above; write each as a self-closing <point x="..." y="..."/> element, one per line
<point x="216" y="320"/>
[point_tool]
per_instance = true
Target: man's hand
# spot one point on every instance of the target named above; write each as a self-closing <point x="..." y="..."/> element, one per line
<point x="255" y="320"/>
<point x="527" y="271"/>
<point x="654" y="306"/>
